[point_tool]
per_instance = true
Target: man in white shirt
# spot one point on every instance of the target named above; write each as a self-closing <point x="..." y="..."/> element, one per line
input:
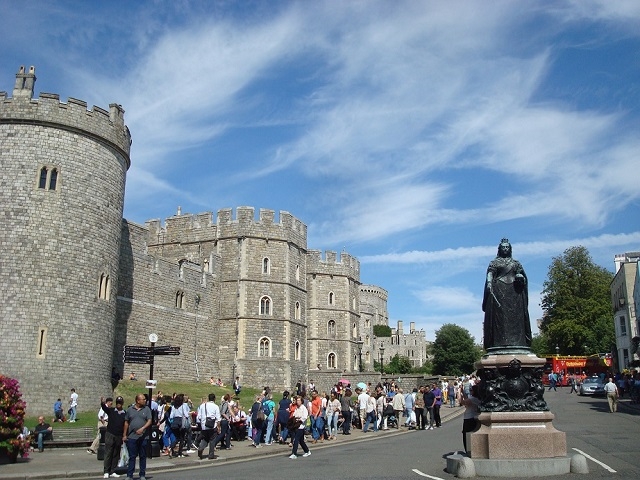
<point x="363" y="399"/>
<point x="73" y="405"/>
<point x="102" y="422"/>
<point x="612" y="395"/>
<point x="209" y="419"/>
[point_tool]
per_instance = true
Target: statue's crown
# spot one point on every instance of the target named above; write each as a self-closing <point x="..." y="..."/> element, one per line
<point x="504" y="240"/>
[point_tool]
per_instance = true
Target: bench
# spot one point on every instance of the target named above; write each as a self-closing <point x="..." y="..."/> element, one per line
<point x="71" y="437"/>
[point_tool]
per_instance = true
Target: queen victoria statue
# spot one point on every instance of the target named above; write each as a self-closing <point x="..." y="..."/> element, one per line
<point x="505" y="304"/>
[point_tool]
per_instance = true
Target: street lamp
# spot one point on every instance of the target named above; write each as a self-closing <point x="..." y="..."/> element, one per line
<point x="359" y="343"/>
<point x="381" y="359"/>
<point x="557" y="350"/>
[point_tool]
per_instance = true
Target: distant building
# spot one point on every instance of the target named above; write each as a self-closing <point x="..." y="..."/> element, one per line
<point x="624" y="299"/>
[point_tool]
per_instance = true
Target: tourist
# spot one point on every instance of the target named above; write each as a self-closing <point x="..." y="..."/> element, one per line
<point x="136" y="421"/>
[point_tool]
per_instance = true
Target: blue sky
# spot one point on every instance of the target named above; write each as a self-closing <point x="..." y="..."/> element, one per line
<point x="412" y="134"/>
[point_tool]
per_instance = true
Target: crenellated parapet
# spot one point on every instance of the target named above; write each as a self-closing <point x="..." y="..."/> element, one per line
<point x="244" y="224"/>
<point x="187" y="228"/>
<point x="47" y="110"/>
<point x="345" y="265"/>
<point x="374" y="290"/>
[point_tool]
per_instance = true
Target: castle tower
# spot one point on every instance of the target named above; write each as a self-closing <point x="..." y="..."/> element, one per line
<point x="263" y="308"/>
<point x="334" y="312"/>
<point x="373" y="311"/>
<point x="61" y="204"/>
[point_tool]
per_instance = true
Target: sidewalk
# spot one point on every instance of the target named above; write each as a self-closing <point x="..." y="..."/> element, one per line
<point x="77" y="463"/>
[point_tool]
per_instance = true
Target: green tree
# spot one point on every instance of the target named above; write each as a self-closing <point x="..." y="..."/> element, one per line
<point x="382" y="330"/>
<point x="397" y="364"/>
<point x="454" y="351"/>
<point x="576" y="304"/>
<point x="540" y="345"/>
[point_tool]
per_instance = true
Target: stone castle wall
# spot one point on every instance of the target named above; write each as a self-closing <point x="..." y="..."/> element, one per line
<point x="62" y="331"/>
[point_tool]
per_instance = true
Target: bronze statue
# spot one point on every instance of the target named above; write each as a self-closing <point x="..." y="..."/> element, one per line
<point x="505" y="304"/>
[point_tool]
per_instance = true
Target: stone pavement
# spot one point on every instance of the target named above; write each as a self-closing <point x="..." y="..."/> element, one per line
<point x="77" y="463"/>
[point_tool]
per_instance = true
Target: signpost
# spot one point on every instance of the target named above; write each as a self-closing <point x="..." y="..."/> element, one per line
<point x="145" y="356"/>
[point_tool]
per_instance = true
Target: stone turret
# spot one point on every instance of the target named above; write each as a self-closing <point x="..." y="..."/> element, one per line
<point x="62" y="213"/>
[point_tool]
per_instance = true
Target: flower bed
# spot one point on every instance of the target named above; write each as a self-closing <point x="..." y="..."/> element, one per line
<point x="12" y="410"/>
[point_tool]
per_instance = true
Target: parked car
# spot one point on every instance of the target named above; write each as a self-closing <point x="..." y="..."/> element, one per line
<point x="592" y="386"/>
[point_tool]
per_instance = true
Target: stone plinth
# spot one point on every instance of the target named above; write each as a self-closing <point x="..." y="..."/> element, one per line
<point x="517" y="435"/>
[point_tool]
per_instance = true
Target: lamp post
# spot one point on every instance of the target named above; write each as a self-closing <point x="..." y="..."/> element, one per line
<point x="381" y="359"/>
<point x="557" y="350"/>
<point x="360" y="343"/>
<point x="195" y="339"/>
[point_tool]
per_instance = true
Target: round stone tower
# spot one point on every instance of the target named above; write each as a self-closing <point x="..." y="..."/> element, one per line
<point x="61" y="202"/>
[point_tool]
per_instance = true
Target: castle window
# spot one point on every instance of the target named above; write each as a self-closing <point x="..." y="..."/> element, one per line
<point x="265" y="306"/>
<point x="264" y="347"/>
<point x="355" y="362"/>
<point x="296" y="313"/>
<point x="179" y="299"/>
<point x="296" y="352"/>
<point x="366" y="357"/>
<point x="331" y="328"/>
<point x="48" y="178"/>
<point x="53" y="179"/>
<point x="43" y="178"/>
<point x="366" y="323"/>
<point x="331" y="361"/>
<point x="298" y="273"/>
<point x="623" y="326"/>
<point x="104" y="290"/>
<point x="354" y="331"/>
<point x="367" y="340"/>
<point x="266" y="266"/>
<point x="42" y="342"/>
<point x="331" y="298"/>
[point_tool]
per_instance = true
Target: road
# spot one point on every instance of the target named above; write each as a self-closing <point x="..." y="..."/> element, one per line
<point x="610" y="439"/>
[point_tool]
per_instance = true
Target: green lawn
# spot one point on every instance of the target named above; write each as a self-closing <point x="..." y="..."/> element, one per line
<point x="128" y="389"/>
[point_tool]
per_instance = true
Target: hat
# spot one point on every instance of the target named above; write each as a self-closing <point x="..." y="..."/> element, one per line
<point x="120" y="400"/>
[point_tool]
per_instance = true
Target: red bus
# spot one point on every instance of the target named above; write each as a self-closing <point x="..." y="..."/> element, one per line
<point x="569" y="365"/>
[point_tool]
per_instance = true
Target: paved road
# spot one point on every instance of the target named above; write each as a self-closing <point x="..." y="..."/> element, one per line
<point x="611" y="439"/>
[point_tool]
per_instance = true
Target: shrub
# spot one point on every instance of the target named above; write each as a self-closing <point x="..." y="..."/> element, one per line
<point x="12" y="409"/>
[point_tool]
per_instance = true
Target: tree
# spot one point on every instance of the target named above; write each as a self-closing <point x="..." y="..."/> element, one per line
<point x="576" y="304"/>
<point x="397" y="364"/>
<point x="455" y="351"/>
<point x="382" y="330"/>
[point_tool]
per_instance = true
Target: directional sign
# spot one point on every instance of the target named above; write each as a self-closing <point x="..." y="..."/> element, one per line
<point x="136" y="354"/>
<point x="166" y="350"/>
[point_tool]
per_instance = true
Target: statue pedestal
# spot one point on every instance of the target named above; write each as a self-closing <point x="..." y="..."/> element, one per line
<point x="510" y="435"/>
<point x="516" y="437"/>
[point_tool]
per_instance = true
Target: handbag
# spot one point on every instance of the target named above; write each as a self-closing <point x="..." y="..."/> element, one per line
<point x="209" y="422"/>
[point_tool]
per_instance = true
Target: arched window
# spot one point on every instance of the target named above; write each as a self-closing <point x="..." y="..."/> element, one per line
<point x="265" y="306"/>
<point x="331" y="361"/>
<point x="42" y="183"/>
<point x="298" y="273"/>
<point x="266" y="266"/>
<point x="354" y="331"/>
<point x="366" y="357"/>
<point x="331" y="328"/>
<point x="297" y="350"/>
<point x="366" y="323"/>
<point x="355" y="362"/>
<point x="331" y="298"/>
<point x="53" y="179"/>
<point x="296" y="313"/>
<point x="264" y="347"/>
<point x="367" y="340"/>
<point x="179" y="299"/>
<point x="104" y="291"/>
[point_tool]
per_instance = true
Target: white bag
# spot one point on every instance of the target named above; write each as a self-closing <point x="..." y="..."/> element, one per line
<point x="124" y="456"/>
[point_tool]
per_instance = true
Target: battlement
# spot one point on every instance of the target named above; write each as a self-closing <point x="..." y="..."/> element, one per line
<point x="331" y="265"/>
<point x="187" y="227"/>
<point x="244" y="224"/>
<point x="48" y="110"/>
<point x="375" y="290"/>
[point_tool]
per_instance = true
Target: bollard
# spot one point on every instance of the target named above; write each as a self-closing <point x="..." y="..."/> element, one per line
<point x="153" y="448"/>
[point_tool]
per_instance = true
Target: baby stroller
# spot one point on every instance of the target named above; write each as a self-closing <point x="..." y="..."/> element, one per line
<point x="390" y="415"/>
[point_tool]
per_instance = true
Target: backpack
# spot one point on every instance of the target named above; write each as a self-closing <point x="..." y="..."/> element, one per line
<point x="266" y="408"/>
